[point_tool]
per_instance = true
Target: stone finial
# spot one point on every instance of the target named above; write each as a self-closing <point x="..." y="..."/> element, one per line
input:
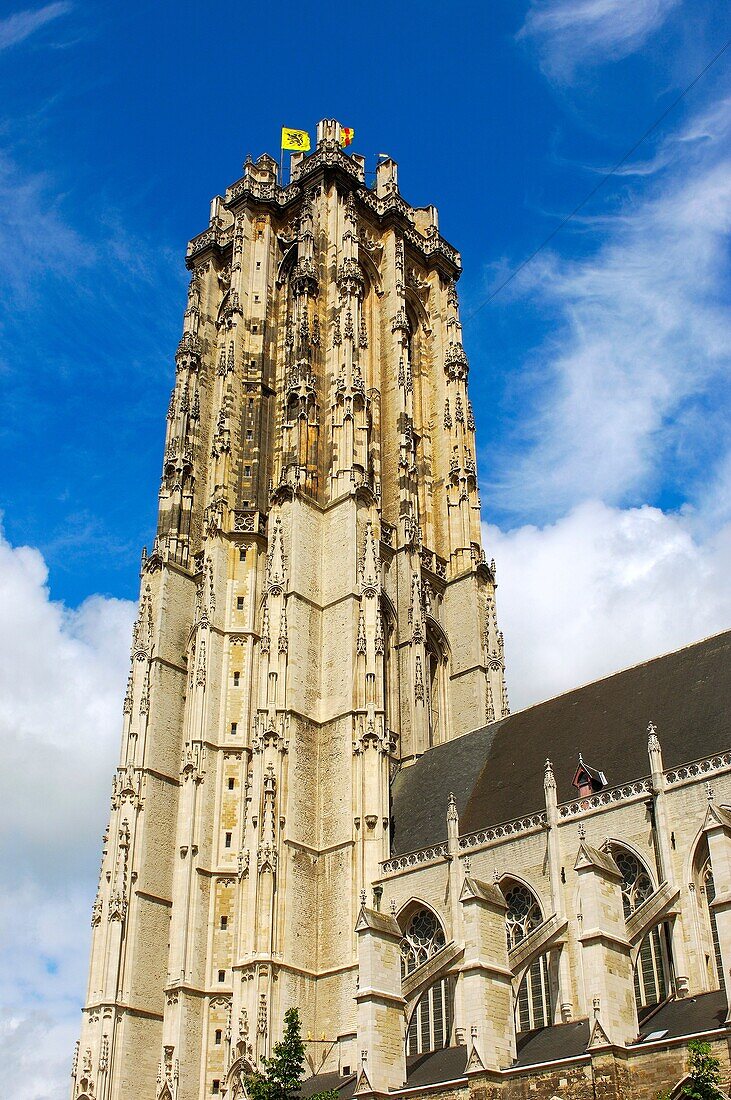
<point x="495" y="876"/>
<point x="452" y="825"/>
<point x="653" y="744"/>
<point x="710" y="793"/>
<point x="549" y="794"/>
<point x="582" y="831"/>
<point x="363" y="899"/>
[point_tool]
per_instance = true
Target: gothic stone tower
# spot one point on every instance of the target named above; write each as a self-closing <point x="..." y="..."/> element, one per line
<point x="316" y="611"/>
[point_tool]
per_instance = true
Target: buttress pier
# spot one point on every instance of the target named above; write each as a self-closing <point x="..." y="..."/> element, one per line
<point x="316" y="612"/>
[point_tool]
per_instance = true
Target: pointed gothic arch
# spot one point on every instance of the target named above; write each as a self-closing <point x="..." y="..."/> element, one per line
<point x="704" y="890"/>
<point x="236" y="1075"/>
<point x="389" y="624"/>
<point x="533" y="1000"/>
<point x="436" y="645"/>
<point x="412" y="908"/>
<point x="287" y="261"/>
<point x="429" y="1026"/>
<point x="373" y="275"/>
<point x="416" y="307"/>
<point x="653" y="957"/>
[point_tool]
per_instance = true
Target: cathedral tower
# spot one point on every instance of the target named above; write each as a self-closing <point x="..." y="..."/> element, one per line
<point x="315" y="612"/>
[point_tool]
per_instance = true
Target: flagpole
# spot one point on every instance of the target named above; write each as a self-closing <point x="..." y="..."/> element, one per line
<point x="281" y="157"/>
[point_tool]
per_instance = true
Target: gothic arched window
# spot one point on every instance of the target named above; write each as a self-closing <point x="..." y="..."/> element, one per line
<point x="653" y="961"/>
<point x="533" y="1004"/>
<point x="436" y="674"/>
<point x="636" y="882"/>
<point x="424" y="936"/>
<point x="430" y="1024"/>
<point x="390" y="685"/>
<point x="705" y="891"/>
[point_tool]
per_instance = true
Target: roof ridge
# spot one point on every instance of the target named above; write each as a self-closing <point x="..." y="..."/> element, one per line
<point x="601" y="679"/>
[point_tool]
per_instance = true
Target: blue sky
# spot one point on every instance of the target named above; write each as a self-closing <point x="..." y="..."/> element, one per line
<point x="599" y="376"/>
<point x="121" y="121"/>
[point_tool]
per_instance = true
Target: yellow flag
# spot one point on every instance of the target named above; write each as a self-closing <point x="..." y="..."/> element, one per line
<point x="296" y="140"/>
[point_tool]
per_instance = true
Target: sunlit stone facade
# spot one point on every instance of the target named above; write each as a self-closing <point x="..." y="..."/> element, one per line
<point x="316" y="612"/>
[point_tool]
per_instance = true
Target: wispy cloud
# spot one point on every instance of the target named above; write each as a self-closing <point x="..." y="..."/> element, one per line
<point x="569" y="33"/>
<point x="22" y="24"/>
<point x="35" y="237"/>
<point x="629" y="396"/>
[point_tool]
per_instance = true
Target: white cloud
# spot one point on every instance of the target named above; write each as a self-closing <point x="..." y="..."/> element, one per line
<point x="21" y="24"/>
<point x="601" y="589"/>
<point x="573" y="32"/>
<point x="62" y="677"/>
<point x="631" y="390"/>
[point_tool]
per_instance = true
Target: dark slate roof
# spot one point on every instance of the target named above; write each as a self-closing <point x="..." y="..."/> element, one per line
<point x="496" y="773"/>
<point x="324" y="1082"/>
<point x="436" y="1066"/>
<point x="687" y="1016"/>
<point x="549" y="1044"/>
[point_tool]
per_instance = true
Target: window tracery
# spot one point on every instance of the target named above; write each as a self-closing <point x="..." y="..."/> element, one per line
<point x="533" y="1002"/>
<point x="430" y="1025"/>
<point x="636" y="882"/>
<point x="424" y="936"/>
<point x="523" y="914"/>
<point x="651" y="977"/>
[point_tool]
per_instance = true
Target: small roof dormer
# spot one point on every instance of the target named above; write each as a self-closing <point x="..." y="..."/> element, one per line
<point x="588" y="780"/>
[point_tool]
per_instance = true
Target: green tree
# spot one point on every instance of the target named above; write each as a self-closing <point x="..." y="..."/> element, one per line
<point x="703" y="1073"/>
<point x="281" y="1077"/>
